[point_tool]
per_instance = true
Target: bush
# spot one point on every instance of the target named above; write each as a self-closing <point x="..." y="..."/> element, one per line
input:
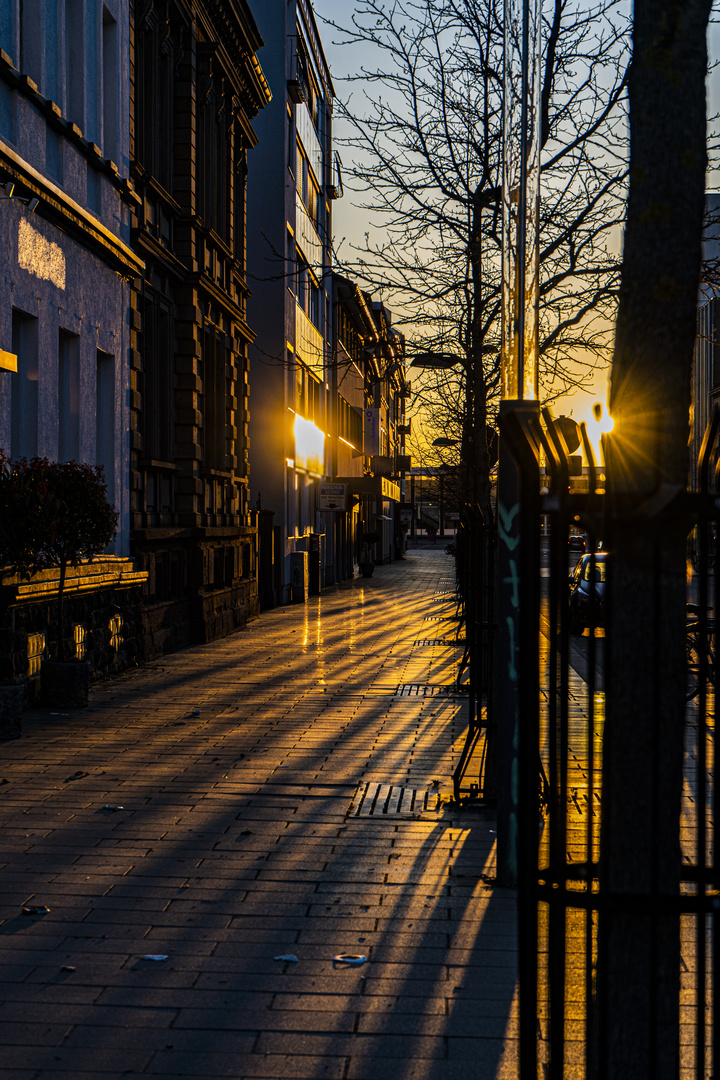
<point x="52" y="513"/>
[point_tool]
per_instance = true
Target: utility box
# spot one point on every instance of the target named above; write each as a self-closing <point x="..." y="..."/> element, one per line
<point x="299" y="578"/>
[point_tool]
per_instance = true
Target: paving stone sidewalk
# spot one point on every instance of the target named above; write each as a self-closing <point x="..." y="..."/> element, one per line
<point x="280" y="792"/>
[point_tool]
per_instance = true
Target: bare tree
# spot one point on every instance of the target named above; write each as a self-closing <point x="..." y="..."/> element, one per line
<point x="427" y="141"/>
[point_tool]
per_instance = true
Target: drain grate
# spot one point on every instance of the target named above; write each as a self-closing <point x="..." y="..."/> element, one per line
<point x="424" y="689"/>
<point x="374" y="800"/>
<point x="438" y="618"/>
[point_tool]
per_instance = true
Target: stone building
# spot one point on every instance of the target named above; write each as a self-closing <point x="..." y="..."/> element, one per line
<point x="195" y="88"/>
<point x="65" y="296"/>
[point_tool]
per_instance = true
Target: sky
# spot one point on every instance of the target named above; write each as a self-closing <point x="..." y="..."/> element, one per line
<point x="351" y="223"/>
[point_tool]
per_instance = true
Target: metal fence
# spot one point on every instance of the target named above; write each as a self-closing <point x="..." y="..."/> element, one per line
<point x="475" y="564"/>
<point x="563" y="895"/>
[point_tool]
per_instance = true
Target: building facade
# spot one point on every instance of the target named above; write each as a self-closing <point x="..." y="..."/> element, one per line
<point x="196" y="87"/>
<point x="65" y="288"/>
<point x="368" y="435"/>
<point x="327" y="405"/>
<point x="290" y="197"/>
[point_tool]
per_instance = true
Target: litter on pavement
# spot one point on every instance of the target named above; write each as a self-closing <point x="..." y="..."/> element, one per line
<point x="35" y="909"/>
<point x="287" y="956"/>
<point x="153" y="956"/>
<point x="349" y="958"/>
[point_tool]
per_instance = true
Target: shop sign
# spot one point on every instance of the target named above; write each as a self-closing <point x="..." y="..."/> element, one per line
<point x="372" y="432"/>
<point x="333" y="497"/>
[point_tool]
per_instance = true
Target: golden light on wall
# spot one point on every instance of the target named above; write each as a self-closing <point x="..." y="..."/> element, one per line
<point x="309" y="446"/>
<point x="39" y="256"/>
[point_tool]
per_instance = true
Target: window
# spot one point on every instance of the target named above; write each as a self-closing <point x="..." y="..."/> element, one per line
<point x="309" y="84"/>
<point x="74" y="71"/>
<point x="312" y="202"/>
<point x="240" y="196"/>
<point x="216" y="357"/>
<point x="300" y="396"/>
<point x="24" y="386"/>
<point x="212" y="148"/>
<point x="79" y="636"/>
<point x="158" y="404"/>
<point x="109" y="74"/>
<point x="291" y="143"/>
<point x="313" y="301"/>
<point x="35" y="650"/>
<point x="69" y="396"/>
<point x="307" y="290"/>
<point x="301" y="170"/>
<point x="31" y="17"/>
<point x="105" y="419"/>
<point x="156" y="55"/>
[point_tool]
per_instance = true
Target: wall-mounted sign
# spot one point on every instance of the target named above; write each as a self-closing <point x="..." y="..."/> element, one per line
<point x="372" y="431"/>
<point x="333" y="497"/>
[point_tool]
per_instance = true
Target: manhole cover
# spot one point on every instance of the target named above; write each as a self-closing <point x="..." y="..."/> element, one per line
<point x="373" y="800"/>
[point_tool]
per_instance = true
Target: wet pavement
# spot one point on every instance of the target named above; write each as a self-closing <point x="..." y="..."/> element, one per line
<point x="284" y="792"/>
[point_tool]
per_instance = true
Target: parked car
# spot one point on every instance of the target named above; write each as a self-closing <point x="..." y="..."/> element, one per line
<point x="587" y="592"/>
<point x="576" y="542"/>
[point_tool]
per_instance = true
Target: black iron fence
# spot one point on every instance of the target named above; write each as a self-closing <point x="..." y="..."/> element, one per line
<point x="565" y="896"/>
<point x="475" y="563"/>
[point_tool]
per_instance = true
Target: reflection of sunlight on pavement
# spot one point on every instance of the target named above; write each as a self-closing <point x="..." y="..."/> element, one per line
<point x="464" y="918"/>
<point x="699" y="742"/>
<point x="568" y="855"/>
<point x="235" y="845"/>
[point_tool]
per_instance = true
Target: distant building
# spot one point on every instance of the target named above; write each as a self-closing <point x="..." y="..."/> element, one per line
<point x="196" y="87"/>
<point x="65" y="288"/>
<point x="367" y="452"/>
<point x="290" y="194"/>
<point x="326" y="365"/>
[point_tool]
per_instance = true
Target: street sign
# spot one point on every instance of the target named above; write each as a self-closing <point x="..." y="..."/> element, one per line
<point x="333" y="497"/>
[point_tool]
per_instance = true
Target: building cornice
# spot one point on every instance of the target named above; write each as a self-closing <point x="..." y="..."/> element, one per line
<point x="60" y="210"/>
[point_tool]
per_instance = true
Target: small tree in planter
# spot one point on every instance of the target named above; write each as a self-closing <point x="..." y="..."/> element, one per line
<point x="54" y="514"/>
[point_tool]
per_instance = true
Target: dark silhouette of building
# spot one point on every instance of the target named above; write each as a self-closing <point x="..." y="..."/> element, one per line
<point x="196" y="85"/>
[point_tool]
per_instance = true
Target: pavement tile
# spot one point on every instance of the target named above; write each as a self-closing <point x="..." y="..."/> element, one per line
<point x="233" y="847"/>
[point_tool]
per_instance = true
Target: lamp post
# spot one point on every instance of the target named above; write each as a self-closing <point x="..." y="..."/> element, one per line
<point x="517" y="569"/>
<point x="445" y="443"/>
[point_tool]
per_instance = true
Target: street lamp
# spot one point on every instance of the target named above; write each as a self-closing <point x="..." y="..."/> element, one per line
<point x="8" y="190"/>
<point x="437" y="360"/>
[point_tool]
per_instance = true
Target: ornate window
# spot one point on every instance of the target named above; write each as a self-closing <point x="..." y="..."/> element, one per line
<point x="158" y="352"/>
<point x="157" y="54"/>
<point x="216" y="359"/>
<point x="213" y="143"/>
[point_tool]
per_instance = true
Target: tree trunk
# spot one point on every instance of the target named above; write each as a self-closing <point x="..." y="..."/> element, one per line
<point x="639" y="943"/>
